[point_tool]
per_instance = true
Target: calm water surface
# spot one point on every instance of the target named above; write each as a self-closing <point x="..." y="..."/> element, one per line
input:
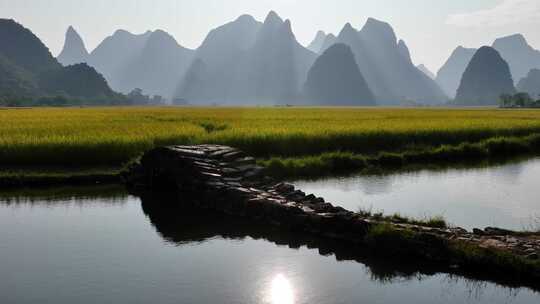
<point x="104" y="246"/>
<point x="504" y="195"/>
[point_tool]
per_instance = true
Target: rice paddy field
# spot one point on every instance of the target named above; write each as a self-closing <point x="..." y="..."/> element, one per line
<point x="113" y="136"/>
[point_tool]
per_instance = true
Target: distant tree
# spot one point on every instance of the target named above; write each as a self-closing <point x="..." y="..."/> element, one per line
<point x="180" y="102"/>
<point x="137" y="97"/>
<point x="506" y="100"/>
<point x="53" y="101"/>
<point x="522" y="99"/>
<point x="517" y="100"/>
<point x="157" y="100"/>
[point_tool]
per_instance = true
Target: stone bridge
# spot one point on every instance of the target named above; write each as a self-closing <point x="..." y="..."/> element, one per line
<point x="226" y="180"/>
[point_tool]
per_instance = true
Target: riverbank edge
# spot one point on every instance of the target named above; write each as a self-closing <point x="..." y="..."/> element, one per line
<point x="336" y="163"/>
<point x="311" y="166"/>
<point x="69" y="177"/>
<point x="456" y="255"/>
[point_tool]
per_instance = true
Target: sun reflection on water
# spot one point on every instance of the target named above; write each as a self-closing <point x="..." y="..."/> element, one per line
<point x="282" y="291"/>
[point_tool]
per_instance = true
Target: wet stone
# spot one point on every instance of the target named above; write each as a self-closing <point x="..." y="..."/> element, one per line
<point x="232" y="179"/>
<point x="512" y="240"/>
<point x="478" y="231"/>
<point x="309" y="198"/>
<point x="221" y="152"/>
<point x="532" y="256"/>
<point x="243" y="161"/>
<point x="497" y="231"/>
<point x="232" y="155"/>
<point x="196" y="153"/>
<point x="318" y="200"/>
<point x="254" y="172"/>
<point x="284" y="188"/>
<point x="530" y="250"/>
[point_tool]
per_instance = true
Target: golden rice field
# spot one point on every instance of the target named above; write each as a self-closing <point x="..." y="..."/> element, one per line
<point x="105" y="136"/>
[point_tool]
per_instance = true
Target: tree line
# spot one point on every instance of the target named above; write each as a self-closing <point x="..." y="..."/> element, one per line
<point x="134" y="98"/>
<point x="519" y="100"/>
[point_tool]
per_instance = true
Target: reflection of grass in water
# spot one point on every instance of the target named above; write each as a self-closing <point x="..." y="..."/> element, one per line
<point x="50" y="176"/>
<point x="112" y="194"/>
<point x="473" y="289"/>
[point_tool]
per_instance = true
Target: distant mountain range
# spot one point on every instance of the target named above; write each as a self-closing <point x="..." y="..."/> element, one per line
<point x="220" y="63"/>
<point x="386" y="65"/>
<point x="514" y="49"/>
<point x="252" y="62"/>
<point x="153" y="61"/>
<point x="248" y="62"/>
<point x="28" y="70"/>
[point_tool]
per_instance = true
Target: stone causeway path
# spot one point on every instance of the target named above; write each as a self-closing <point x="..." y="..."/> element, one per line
<point x="226" y="180"/>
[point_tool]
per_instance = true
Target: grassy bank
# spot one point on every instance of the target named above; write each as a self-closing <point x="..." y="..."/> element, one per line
<point x="342" y="162"/>
<point x="396" y="218"/>
<point x="469" y="258"/>
<point x="289" y="141"/>
<point x="112" y="136"/>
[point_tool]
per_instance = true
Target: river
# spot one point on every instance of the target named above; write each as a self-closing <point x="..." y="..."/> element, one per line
<point x="505" y="195"/>
<point x="102" y="245"/>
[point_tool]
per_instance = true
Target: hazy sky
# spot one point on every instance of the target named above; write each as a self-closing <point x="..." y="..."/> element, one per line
<point x="431" y="28"/>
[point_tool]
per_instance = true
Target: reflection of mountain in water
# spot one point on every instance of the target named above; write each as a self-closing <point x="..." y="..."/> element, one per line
<point x="184" y="226"/>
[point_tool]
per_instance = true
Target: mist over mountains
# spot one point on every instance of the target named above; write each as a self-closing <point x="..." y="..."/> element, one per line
<point x="152" y="61"/>
<point x="335" y="79"/>
<point x="386" y="65"/>
<point x="74" y="50"/>
<point x="424" y="69"/>
<point x="486" y="77"/>
<point x="28" y="70"/>
<point x="449" y="75"/>
<point x="531" y="83"/>
<point x="514" y="49"/>
<point x="318" y="42"/>
<point x="219" y="63"/>
<point x="249" y="62"/>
